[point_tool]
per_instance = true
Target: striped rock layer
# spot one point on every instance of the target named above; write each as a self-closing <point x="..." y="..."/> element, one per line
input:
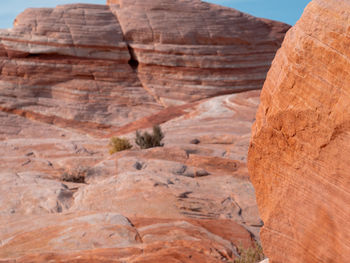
<point x="95" y="66"/>
<point x="300" y="146"/>
<point x="188" y="50"/>
<point x="69" y="66"/>
<point x="184" y="202"/>
<point x="73" y="76"/>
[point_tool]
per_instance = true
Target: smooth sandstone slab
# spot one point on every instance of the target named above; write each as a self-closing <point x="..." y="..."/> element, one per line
<point x="110" y="237"/>
<point x="65" y="233"/>
<point x="299" y="153"/>
<point x="175" y="211"/>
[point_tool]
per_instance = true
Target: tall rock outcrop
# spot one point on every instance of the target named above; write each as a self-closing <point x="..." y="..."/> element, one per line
<point x="94" y="66"/>
<point x="300" y="146"/>
<point x="189" y="50"/>
<point x="69" y="66"/>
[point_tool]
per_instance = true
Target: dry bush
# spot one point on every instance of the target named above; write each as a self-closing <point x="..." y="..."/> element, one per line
<point x="147" y="140"/>
<point x="117" y="144"/>
<point x="250" y="255"/>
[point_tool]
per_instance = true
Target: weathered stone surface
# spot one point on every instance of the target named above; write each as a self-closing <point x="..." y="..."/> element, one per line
<point x="38" y="152"/>
<point x="65" y="233"/>
<point x="189" y="50"/>
<point x="69" y="66"/>
<point x="69" y="81"/>
<point x="207" y="216"/>
<point x="30" y="194"/>
<point x="299" y="154"/>
<point x="84" y="237"/>
<point x="45" y="150"/>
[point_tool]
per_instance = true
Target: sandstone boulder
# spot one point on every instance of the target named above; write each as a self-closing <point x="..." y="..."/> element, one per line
<point x="299" y="153"/>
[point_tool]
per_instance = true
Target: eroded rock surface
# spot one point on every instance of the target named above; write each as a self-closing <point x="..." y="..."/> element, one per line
<point x="299" y="154"/>
<point x="184" y="201"/>
<point x="189" y="50"/>
<point x="95" y="66"/>
<point x="73" y="76"/>
<point x="69" y="66"/>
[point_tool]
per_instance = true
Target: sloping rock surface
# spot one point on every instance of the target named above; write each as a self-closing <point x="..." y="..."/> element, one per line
<point x="183" y="202"/>
<point x="73" y="76"/>
<point x="300" y="148"/>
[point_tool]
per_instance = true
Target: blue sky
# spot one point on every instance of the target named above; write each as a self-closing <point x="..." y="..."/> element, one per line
<point x="288" y="11"/>
<point x="282" y="10"/>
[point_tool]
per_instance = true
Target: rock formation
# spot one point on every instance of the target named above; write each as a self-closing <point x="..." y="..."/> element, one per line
<point x="73" y="76"/>
<point x="69" y="65"/>
<point x="299" y="153"/>
<point x="55" y="69"/>
<point x="189" y="50"/>
<point x="184" y="201"/>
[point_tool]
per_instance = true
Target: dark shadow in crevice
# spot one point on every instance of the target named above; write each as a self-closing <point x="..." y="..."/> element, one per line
<point x="133" y="62"/>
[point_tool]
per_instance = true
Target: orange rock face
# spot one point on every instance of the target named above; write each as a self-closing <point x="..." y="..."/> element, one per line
<point x="299" y="153"/>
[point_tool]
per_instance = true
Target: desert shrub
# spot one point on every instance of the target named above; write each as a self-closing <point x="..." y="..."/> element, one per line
<point x="250" y="255"/>
<point x="147" y="140"/>
<point x="119" y="144"/>
<point x="76" y="175"/>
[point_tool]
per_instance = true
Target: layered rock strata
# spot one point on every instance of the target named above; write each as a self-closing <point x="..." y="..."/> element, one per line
<point x="69" y="66"/>
<point x="189" y="201"/>
<point x="73" y="76"/>
<point x="111" y="237"/>
<point x="299" y="153"/>
<point x="94" y="66"/>
<point x="189" y="50"/>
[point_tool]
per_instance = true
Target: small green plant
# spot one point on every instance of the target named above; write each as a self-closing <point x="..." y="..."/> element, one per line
<point x="117" y="144"/>
<point x="250" y="255"/>
<point x="147" y="140"/>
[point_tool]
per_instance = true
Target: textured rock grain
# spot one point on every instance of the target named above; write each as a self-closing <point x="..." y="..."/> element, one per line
<point x="94" y="66"/>
<point x="174" y="214"/>
<point x="189" y="50"/>
<point x="299" y="153"/>
<point x="73" y="76"/>
<point x="69" y="66"/>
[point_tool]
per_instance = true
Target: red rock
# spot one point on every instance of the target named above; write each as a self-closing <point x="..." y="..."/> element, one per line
<point x="298" y="158"/>
<point x="95" y="237"/>
<point x="206" y="223"/>
<point x="55" y="69"/>
<point x="188" y="50"/>
<point x="66" y="87"/>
